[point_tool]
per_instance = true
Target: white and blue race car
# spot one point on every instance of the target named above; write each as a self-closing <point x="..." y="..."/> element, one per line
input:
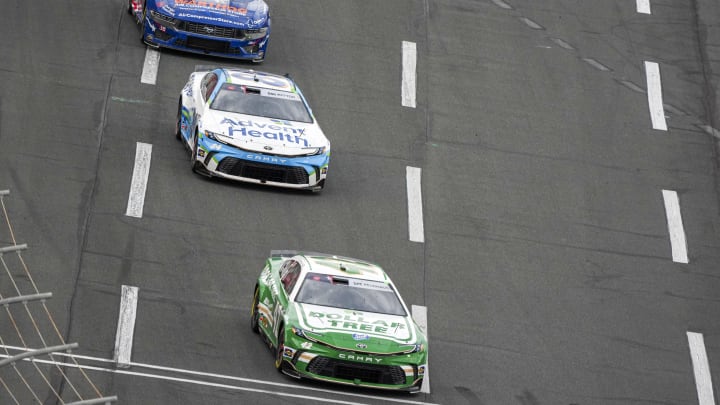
<point x="252" y="126"/>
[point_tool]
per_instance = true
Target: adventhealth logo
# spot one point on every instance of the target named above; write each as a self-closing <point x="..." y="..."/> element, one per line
<point x="281" y="133"/>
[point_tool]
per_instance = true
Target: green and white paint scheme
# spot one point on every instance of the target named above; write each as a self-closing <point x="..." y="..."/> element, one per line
<point x="337" y="319"/>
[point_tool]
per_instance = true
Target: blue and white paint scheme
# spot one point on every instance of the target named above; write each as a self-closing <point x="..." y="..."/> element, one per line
<point x="252" y="126"/>
<point x="238" y="29"/>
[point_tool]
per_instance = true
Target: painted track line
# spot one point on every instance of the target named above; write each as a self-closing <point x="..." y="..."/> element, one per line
<point x="150" y="66"/>
<point x="701" y="369"/>
<point x="419" y="314"/>
<point x="138" y="186"/>
<point x="210" y="375"/>
<point x="654" y="92"/>
<point x="643" y="6"/>
<point x="126" y="326"/>
<point x="414" y="195"/>
<point x="675" y="226"/>
<point x="409" y="74"/>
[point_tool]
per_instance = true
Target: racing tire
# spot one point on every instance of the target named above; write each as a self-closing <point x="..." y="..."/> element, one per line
<point x="178" y="122"/>
<point x="254" y="315"/>
<point x="194" y="164"/>
<point x="279" y="349"/>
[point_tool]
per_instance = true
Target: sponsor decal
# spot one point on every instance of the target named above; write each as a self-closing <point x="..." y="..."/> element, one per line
<point x="370" y="285"/>
<point x="280" y="94"/>
<point x="355" y="357"/>
<point x="288" y="352"/>
<point x="361" y="346"/>
<point x="357" y="322"/>
<point x="306" y="345"/>
<point x="247" y="128"/>
<point x="361" y="336"/>
<point x="212" y="4"/>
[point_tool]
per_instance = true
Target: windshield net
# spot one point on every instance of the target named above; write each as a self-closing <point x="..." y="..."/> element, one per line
<point x="350" y="293"/>
<point x="282" y="105"/>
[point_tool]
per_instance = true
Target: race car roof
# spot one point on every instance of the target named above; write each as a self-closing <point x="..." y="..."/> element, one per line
<point x="343" y="266"/>
<point x="254" y="78"/>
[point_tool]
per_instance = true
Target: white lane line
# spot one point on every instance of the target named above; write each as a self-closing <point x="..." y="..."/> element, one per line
<point x="654" y="92"/>
<point x="126" y="326"/>
<point x="200" y="382"/>
<point x="701" y="369"/>
<point x="150" y="66"/>
<point x="632" y="86"/>
<point x="643" y="6"/>
<point x="212" y="375"/>
<point x="414" y="195"/>
<point x="409" y="73"/>
<point x="419" y="313"/>
<point x="138" y="186"/>
<point x="675" y="226"/>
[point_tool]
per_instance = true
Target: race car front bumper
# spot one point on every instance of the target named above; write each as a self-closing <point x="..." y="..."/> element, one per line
<point x="203" y="39"/>
<point x="221" y="160"/>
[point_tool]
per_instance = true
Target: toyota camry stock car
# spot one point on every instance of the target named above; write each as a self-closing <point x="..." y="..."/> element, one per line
<point x="237" y="29"/>
<point x="337" y="319"/>
<point x="252" y="126"/>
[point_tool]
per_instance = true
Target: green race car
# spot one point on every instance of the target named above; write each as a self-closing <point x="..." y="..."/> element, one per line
<point x="337" y="319"/>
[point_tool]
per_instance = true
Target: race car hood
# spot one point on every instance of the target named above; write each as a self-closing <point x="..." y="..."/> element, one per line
<point x="231" y="13"/>
<point x="265" y="135"/>
<point x="357" y="331"/>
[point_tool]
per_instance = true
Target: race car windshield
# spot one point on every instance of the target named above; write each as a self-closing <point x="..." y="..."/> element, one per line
<point x="282" y="105"/>
<point x="350" y="293"/>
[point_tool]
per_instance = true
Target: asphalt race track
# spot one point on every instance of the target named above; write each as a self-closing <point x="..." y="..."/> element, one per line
<point x="550" y="260"/>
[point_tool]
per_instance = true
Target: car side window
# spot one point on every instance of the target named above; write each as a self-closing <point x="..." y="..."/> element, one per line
<point x="212" y="82"/>
<point x="289" y="276"/>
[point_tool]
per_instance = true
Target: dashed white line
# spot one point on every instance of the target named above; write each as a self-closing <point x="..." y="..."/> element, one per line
<point x="126" y="326"/>
<point x="678" y="243"/>
<point x="138" y="186"/>
<point x="643" y="6"/>
<point x="419" y="314"/>
<point x="654" y="92"/>
<point x="415" y="213"/>
<point x="701" y="369"/>
<point x="409" y="74"/>
<point x="150" y="66"/>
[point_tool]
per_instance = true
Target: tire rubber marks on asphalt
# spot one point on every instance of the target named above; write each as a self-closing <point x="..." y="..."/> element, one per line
<point x="643" y="6"/>
<point x="126" y="326"/>
<point x="409" y="73"/>
<point x="138" y="187"/>
<point x="701" y="369"/>
<point x="150" y="66"/>
<point x="654" y="93"/>
<point x="419" y="314"/>
<point x="415" y="213"/>
<point x="678" y="243"/>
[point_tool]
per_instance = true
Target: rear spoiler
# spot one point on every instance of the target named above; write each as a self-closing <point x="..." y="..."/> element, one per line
<point x="286" y="254"/>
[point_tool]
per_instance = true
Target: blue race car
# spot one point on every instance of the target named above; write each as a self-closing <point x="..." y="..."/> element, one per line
<point x="238" y="29"/>
<point x="251" y="126"/>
